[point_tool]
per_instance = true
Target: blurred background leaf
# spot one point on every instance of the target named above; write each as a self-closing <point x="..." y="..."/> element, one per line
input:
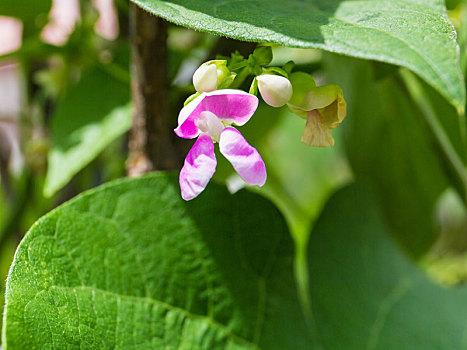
<point x="366" y="294"/>
<point x="44" y="52"/>
<point x="390" y="148"/>
<point x="92" y="114"/>
<point x="32" y="13"/>
<point x="25" y="10"/>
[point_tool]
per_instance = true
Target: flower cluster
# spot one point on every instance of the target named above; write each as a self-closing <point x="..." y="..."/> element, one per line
<point x="218" y="105"/>
<point x="210" y="117"/>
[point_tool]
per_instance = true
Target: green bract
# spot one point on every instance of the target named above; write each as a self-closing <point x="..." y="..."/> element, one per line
<point x="263" y="55"/>
<point x="302" y="83"/>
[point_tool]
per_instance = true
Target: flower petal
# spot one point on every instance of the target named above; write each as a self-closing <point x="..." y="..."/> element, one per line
<point x="244" y="158"/>
<point x="200" y="165"/>
<point x="317" y="133"/>
<point x="329" y="100"/>
<point x="187" y="117"/>
<point x="231" y="106"/>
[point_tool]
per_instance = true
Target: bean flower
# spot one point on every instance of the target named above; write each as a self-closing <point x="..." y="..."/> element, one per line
<point x="323" y="107"/>
<point x="210" y="117"/>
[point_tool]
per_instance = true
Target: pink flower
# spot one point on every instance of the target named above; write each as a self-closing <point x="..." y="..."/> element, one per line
<point x="209" y="117"/>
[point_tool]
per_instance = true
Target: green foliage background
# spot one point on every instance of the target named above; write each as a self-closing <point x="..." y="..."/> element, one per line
<point x="343" y="248"/>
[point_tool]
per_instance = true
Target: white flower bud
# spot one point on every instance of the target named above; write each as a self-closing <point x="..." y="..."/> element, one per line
<point x="275" y="90"/>
<point x="205" y="78"/>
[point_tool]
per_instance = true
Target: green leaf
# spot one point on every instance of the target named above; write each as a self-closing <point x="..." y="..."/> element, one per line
<point x="24" y="9"/>
<point x="6" y="255"/>
<point x="133" y="266"/>
<point x="366" y="294"/>
<point x="92" y="115"/>
<point x="413" y="34"/>
<point x="390" y="150"/>
<point x="263" y="55"/>
<point x="446" y="126"/>
<point x="33" y="13"/>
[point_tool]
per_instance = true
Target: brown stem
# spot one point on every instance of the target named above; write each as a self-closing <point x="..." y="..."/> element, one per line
<point x="150" y="145"/>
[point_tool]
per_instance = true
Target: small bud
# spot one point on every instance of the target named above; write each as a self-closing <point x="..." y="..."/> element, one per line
<point x="205" y="78"/>
<point x="210" y="75"/>
<point x="275" y="90"/>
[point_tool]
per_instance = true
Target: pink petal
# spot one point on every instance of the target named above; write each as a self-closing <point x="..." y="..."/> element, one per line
<point x="200" y="165"/>
<point x="244" y="158"/>
<point x="232" y="106"/>
<point x="187" y="116"/>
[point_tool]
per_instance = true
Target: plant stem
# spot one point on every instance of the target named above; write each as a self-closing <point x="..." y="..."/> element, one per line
<point x="455" y="162"/>
<point x="151" y="145"/>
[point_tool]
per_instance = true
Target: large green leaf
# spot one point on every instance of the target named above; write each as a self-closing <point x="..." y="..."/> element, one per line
<point x="367" y="295"/>
<point x="390" y="149"/>
<point x="92" y="115"/>
<point x="133" y="266"/>
<point x="415" y="34"/>
<point x="6" y="255"/>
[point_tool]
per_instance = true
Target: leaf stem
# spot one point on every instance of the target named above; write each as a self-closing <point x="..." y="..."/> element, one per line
<point x="455" y="162"/>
